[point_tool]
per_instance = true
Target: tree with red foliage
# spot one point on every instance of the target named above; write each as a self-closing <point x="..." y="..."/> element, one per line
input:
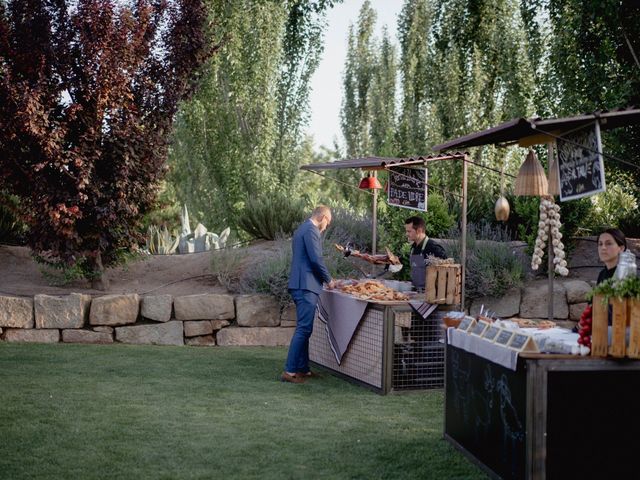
<point x="88" y="94"/>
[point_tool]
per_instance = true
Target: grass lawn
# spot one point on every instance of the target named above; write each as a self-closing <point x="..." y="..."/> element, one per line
<point x="121" y="411"/>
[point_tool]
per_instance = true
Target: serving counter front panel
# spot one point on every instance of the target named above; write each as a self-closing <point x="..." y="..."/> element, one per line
<point x="393" y="348"/>
<point x="554" y="417"/>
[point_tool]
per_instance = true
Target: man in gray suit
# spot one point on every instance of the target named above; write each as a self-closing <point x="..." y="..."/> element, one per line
<point x="308" y="273"/>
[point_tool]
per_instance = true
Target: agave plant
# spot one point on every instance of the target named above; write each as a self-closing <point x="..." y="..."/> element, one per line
<point x="200" y="240"/>
<point x="160" y="241"/>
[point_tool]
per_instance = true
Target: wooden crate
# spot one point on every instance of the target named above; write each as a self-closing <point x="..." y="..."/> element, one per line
<point x="443" y="284"/>
<point x="625" y="313"/>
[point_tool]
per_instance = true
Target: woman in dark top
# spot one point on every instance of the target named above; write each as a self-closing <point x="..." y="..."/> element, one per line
<point x="611" y="243"/>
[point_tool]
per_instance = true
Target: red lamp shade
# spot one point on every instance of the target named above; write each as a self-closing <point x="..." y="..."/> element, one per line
<point x="371" y="183"/>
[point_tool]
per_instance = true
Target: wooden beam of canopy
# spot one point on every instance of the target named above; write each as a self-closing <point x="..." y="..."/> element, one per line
<point x="381" y="163"/>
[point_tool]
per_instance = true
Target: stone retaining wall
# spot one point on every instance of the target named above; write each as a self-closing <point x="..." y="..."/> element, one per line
<point x="202" y="320"/>
<point x="214" y="319"/>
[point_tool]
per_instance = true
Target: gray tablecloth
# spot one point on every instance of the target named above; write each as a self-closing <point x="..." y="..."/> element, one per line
<point x="341" y="315"/>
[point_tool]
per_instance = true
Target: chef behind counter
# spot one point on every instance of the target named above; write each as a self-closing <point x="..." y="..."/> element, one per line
<point x="421" y="247"/>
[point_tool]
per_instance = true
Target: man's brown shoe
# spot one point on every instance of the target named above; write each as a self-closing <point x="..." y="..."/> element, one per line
<point x="309" y="374"/>
<point x="287" y="377"/>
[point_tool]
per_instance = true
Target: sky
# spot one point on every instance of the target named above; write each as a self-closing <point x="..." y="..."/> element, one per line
<point x="326" y="84"/>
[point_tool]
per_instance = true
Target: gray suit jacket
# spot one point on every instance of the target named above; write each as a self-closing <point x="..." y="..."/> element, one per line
<point x="308" y="271"/>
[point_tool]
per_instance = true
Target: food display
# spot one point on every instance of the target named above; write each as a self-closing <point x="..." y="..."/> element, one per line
<point x="369" y="290"/>
<point x="527" y="323"/>
<point x="387" y="258"/>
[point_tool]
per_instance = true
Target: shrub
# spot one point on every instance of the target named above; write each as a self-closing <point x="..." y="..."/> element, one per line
<point x="12" y="230"/>
<point x="348" y="226"/>
<point x="270" y="275"/>
<point x="615" y="206"/>
<point x="492" y="266"/>
<point x="227" y="267"/>
<point x="272" y="215"/>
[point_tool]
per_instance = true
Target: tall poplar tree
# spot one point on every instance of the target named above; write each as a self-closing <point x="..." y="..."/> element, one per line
<point x="360" y="65"/>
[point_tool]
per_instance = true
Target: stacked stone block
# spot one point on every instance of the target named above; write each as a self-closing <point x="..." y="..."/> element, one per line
<point x="198" y="320"/>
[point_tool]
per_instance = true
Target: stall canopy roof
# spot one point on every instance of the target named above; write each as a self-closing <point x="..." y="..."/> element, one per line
<point x="519" y="129"/>
<point x="379" y="163"/>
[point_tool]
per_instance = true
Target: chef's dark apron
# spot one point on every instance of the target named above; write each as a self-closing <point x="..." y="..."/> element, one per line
<point x="418" y="267"/>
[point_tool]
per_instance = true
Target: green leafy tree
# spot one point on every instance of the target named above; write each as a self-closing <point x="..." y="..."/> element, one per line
<point x="360" y="65"/>
<point x="88" y="93"/>
<point x="241" y="134"/>
<point x="383" y="100"/>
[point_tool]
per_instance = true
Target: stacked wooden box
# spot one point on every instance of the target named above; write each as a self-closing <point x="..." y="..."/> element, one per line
<point x="625" y="314"/>
<point x="443" y="284"/>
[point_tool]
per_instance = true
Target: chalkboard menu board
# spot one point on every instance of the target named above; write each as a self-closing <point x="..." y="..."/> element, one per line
<point x="485" y="411"/>
<point x="466" y="323"/>
<point x="580" y="164"/>
<point x="479" y="328"/>
<point x="519" y="340"/>
<point x="503" y="337"/>
<point x="491" y="333"/>
<point x="408" y="188"/>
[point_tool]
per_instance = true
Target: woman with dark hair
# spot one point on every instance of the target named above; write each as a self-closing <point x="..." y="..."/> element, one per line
<point x="611" y="243"/>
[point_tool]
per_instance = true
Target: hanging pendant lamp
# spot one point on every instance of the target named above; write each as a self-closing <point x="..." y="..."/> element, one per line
<point x="370" y="183"/>
<point x="531" y="180"/>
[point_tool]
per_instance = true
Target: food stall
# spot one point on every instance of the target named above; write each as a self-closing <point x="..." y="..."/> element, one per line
<point x="383" y="335"/>
<point x="391" y="344"/>
<point x="386" y="345"/>
<point x="512" y="405"/>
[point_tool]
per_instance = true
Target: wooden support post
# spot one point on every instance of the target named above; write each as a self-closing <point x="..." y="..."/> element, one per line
<point x="463" y="246"/>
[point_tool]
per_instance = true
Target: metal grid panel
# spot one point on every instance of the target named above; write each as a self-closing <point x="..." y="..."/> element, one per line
<point x="363" y="359"/>
<point x="418" y="353"/>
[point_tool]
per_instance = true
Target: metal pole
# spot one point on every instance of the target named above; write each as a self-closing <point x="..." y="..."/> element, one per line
<point x="463" y="253"/>
<point x="375" y="215"/>
<point x="550" y="246"/>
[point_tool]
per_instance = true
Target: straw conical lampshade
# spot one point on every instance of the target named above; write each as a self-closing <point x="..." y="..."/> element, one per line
<point x="531" y="179"/>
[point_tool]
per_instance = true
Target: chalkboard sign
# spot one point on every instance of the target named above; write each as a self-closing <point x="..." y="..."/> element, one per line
<point x="485" y="412"/>
<point x="580" y="164"/>
<point x="408" y="188"/>
<point x="518" y="341"/>
<point x="491" y="333"/>
<point x="466" y="323"/>
<point x="503" y="337"/>
<point x="480" y="327"/>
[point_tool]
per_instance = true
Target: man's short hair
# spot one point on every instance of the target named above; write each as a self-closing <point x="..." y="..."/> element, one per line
<point x="320" y="211"/>
<point x="417" y="223"/>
